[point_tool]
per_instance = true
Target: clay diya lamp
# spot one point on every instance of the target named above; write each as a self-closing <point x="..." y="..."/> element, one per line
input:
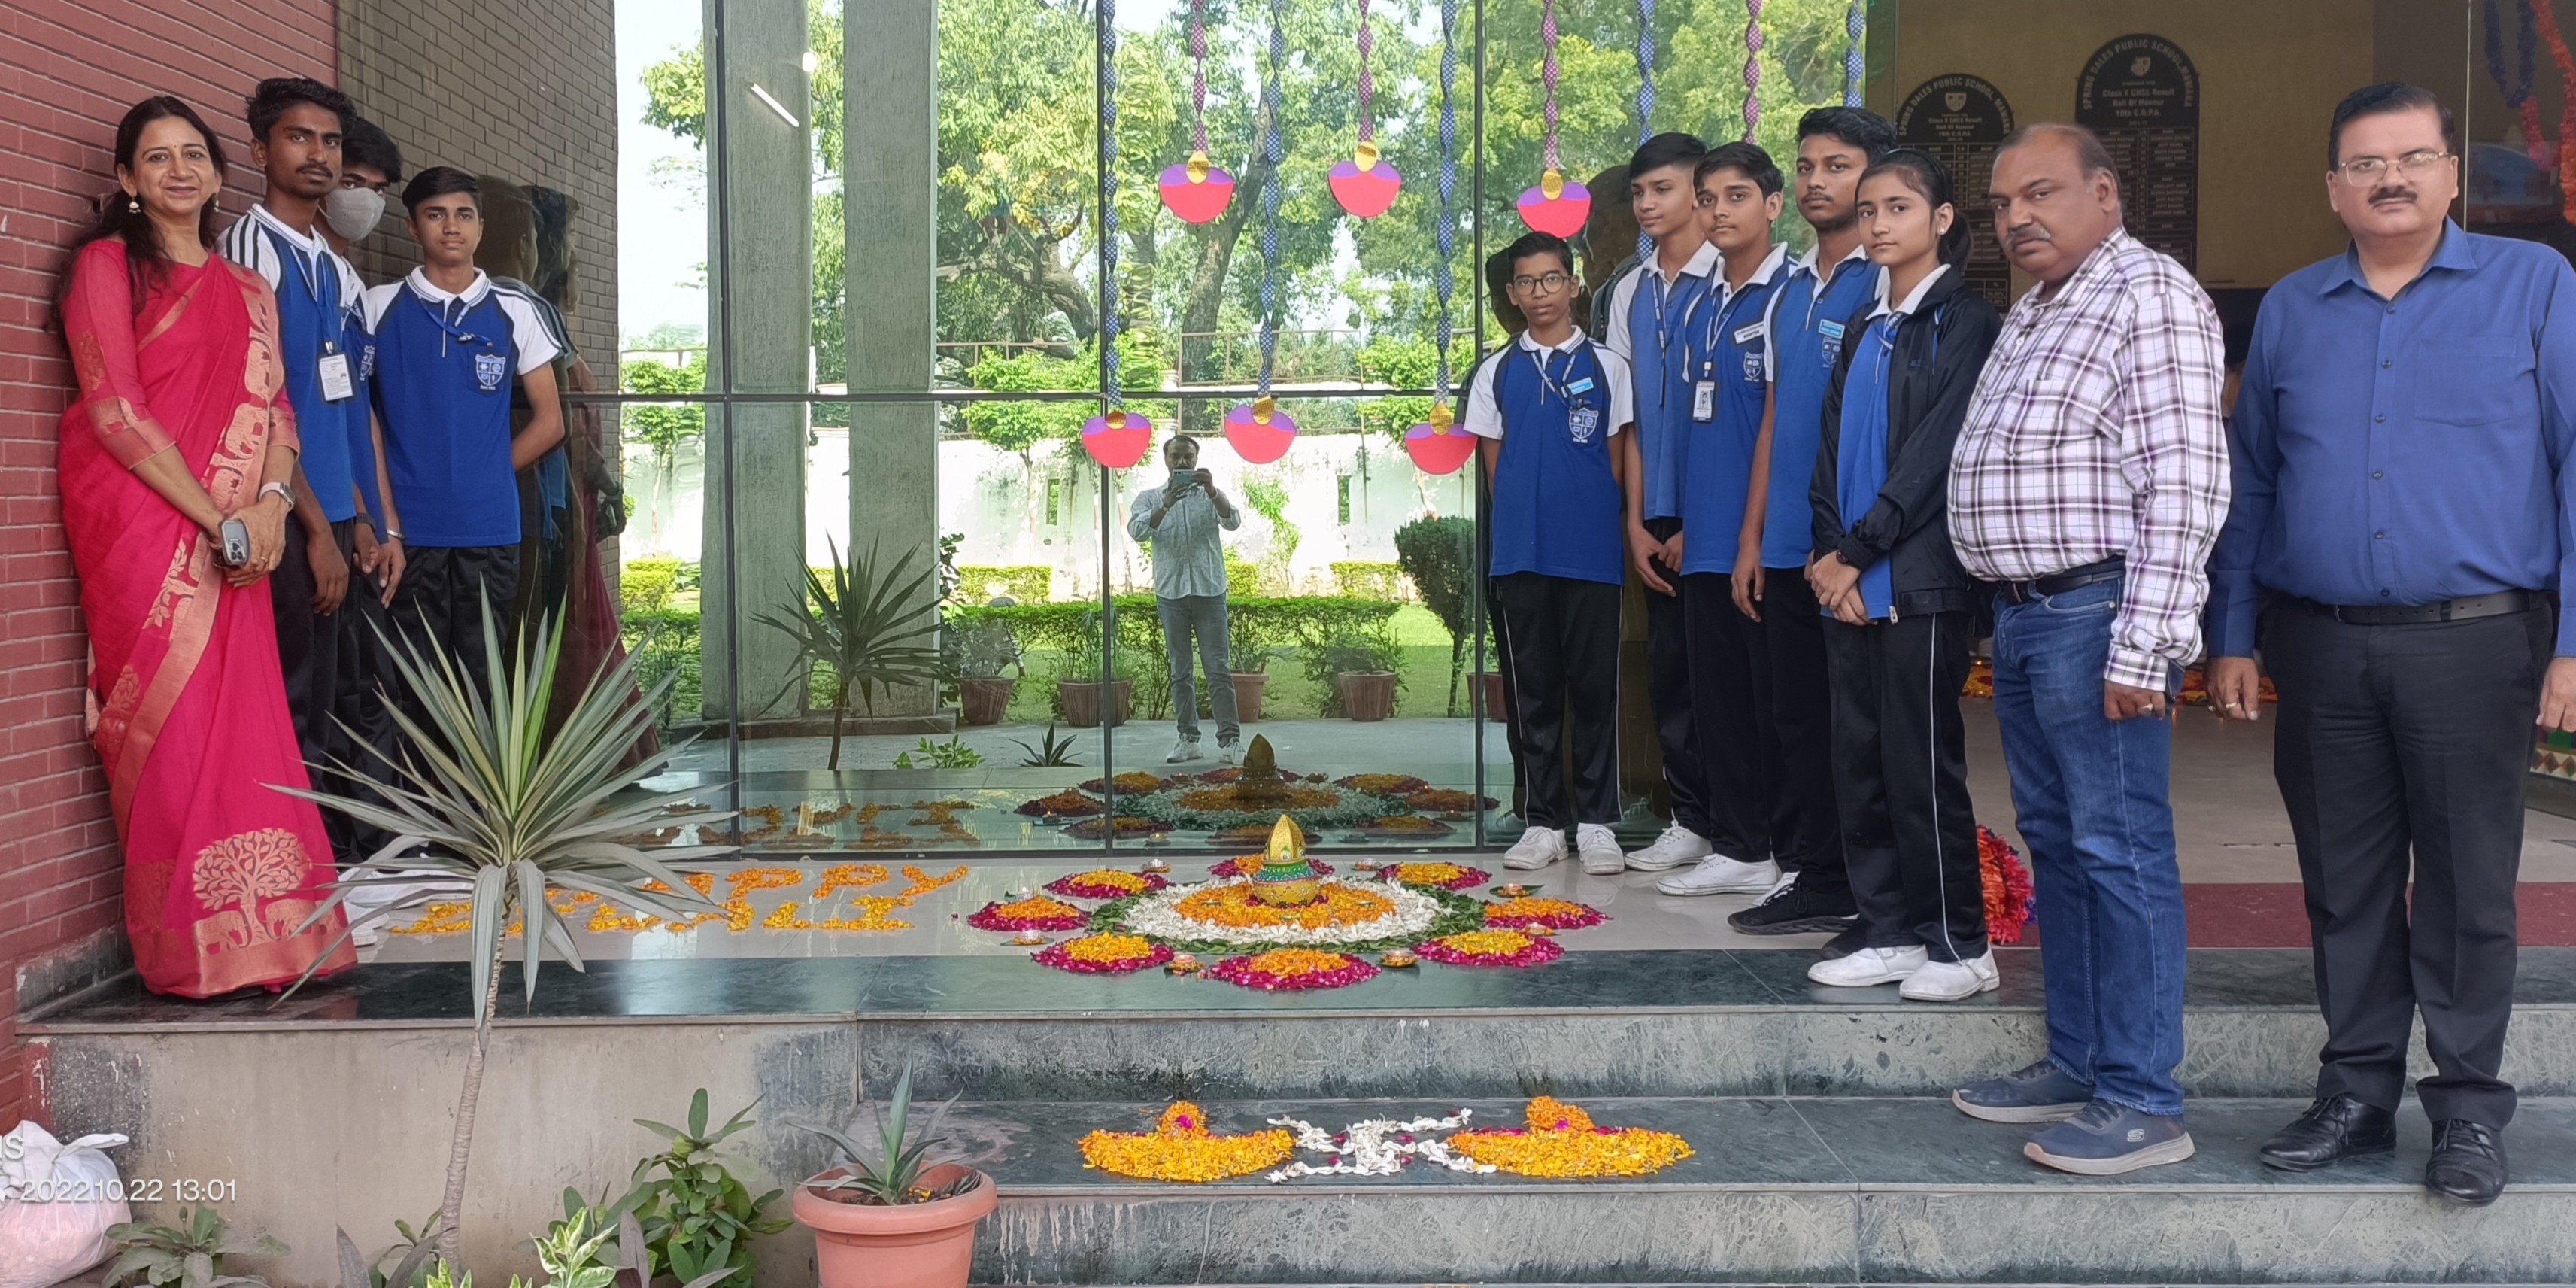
<point x="1398" y="959"/>
<point x="1181" y="964"/>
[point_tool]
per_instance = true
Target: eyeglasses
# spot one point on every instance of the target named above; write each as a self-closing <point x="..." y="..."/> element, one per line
<point x="2413" y="165"/>
<point x="1547" y="285"/>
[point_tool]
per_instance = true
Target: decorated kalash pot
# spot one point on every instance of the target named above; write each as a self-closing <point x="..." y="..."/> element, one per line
<point x="1286" y="879"/>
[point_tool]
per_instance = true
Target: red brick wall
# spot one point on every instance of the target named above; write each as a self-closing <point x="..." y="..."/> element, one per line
<point x="68" y="70"/>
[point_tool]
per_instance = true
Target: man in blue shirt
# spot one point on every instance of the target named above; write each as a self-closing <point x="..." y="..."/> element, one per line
<point x="296" y="127"/>
<point x="1550" y="408"/>
<point x="1824" y="294"/>
<point x="1645" y="312"/>
<point x="2403" y="500"/>
<point x="1721" y="356"/>
<point x="449" y="346"/>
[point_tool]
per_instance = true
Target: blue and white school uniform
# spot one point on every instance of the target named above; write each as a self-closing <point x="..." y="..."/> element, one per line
<point x="1725" y="367"/>
<point x="1809" y="314"/>
<point x="1648" y="328"/>
<point x="1559" y="559"/>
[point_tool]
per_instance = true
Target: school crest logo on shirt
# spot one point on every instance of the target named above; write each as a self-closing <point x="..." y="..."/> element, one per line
<point x="489" y="370"/>
<point x="1583" y="422"/>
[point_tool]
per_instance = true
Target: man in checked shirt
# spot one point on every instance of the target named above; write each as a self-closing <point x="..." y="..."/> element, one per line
<point x="2089" y="483"/>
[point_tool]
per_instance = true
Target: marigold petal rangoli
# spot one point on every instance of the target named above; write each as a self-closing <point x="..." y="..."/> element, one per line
<point x="1447" y="876"/>
<point x="1035" y="913"/>
<point x="1531" y="910"/>
<point x="1492" y="948"/>
<point x="1106" y="883"/>
<point x="1181" y="1148"/>
<point x="1111" y="954"/>
<point x="1562" y="1142"/>
<point x="1292" y="968"/>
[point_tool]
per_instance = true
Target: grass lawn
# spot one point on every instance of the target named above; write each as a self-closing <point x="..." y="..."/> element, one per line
<point x="1422" y="691"/>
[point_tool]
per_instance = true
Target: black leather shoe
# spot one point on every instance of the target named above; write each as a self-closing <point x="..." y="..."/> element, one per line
<point x="2333" y="1129"/>
<point x="2468" y="1163"/>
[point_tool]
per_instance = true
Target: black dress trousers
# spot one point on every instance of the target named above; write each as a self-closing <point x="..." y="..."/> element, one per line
<point x="1806" y="833"/>
<point x="1564" y="660"/>
<point x="1668" y="692"/>
<point x="2398" y="743"/>
<point x="1730" y="697"/>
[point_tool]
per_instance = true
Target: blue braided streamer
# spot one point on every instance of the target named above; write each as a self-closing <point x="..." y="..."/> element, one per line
<point x="1273" y="148"/>
<point x="1854" y="65"/>
<point x="1645" y="70"/>
<point x="1442" y="277"/>
<point x="1109" y="200"/>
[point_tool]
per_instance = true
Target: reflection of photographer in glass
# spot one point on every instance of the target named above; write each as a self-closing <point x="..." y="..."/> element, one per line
<point x="1182" y="519"/>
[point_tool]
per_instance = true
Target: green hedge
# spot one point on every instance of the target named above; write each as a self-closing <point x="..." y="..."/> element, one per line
<point x="1304" y="620"/>
<point x="1024" y="583"/>
<point x="1371" y="579"/>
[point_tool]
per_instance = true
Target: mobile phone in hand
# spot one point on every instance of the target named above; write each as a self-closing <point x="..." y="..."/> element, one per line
<point x="235" y="549"/>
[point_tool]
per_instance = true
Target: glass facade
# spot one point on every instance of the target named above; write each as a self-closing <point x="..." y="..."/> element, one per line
<point x="872" y="265"/>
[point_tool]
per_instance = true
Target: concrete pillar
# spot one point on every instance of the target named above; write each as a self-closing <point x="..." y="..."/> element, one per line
<point x="890" y="210"/>
<point x="760" y="277"/>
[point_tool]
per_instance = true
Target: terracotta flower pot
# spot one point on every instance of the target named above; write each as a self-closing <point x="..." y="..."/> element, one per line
<point x="916" y="1245"/>
<point x="981" y="699"/>
<point x="1490" y="687"/>
<point x="1247" y="694"/>
<point x="1084" y="707"/>
<point x="1367" y="695"/>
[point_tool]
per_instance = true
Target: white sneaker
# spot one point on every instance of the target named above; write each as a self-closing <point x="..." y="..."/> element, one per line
<point x="1187" y="749"/>
<point x="1225" y="752"/>
<point x="1870" y="966"/>
<point x="1600" y="850"/>
<point x="1952" y="981"/>
<point x="1718" y="874"/>
<point x="1677" y="846"/>
<point x="1538" y="847"/>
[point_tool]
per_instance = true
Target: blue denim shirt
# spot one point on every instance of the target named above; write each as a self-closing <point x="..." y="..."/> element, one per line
<point x="2404" y="451"/>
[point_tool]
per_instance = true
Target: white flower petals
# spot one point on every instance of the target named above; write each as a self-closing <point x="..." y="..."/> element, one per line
<point x="1153" y="917"/>
<point x="1370" y="1148"/>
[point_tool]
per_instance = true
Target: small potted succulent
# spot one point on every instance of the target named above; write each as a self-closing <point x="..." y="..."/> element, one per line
<point x="887" y="1214"/>
<point x="985" y="657"/>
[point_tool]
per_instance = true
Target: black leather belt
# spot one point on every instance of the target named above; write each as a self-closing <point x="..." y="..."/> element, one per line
<point x="2466" y="608"/>
<point x="2022" y="592"/>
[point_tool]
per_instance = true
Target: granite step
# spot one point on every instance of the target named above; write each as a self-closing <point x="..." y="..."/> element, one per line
<point x="1781" y="1190"/>
<point x="1736" y="1023"/>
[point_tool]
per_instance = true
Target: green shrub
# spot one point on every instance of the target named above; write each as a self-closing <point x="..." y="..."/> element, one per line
<point x="1439" y="556"/>
<point x="1370" y="579"/>
<point x="1024" y="583"/>
<point x="1349" y="649"/>
<point x="645" y="585"/>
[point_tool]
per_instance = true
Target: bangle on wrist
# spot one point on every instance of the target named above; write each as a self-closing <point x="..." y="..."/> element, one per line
<point x="391" y="535"/>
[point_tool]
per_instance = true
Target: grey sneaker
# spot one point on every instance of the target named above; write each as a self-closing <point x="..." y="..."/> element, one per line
<point x="2104" y="1139"/>
<point x="2039" y="1092"/>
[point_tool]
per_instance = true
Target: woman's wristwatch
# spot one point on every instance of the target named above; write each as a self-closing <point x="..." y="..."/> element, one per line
<point x="275" y="488"/>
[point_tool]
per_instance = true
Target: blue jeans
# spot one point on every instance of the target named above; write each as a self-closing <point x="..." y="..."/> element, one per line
<point x="2093" y="805"/>
<point x="1203" y="616"/>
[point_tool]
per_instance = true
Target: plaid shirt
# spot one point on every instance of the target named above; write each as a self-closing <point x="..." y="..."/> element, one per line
<point x="2095" y="432"/>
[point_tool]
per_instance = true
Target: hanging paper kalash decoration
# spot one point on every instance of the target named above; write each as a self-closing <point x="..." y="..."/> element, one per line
<point x="1196" y="189"/>
<point x="1117" y="437"/>
<point x="1366" y="184"/>
<point x="1557" y="205"/>
<point x="1437" y="445"/>
<point x="1259" y="432"/>
<point x="2546" y="19"/>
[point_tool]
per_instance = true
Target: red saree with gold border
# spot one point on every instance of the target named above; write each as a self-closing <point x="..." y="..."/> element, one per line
<point x="191" y="718"/>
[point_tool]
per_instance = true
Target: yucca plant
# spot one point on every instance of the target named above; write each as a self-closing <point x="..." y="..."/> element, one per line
<point x="495" y="803"/>
<point x="1055" y="751"/>
<point x="869" y="624"/>
<point x="887" y="1171"/>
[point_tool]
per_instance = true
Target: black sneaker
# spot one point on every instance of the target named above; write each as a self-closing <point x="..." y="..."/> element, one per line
<point x="1790" y="909"/>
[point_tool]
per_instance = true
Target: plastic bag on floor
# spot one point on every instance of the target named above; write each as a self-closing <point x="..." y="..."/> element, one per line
<point x="56" y="1202"/>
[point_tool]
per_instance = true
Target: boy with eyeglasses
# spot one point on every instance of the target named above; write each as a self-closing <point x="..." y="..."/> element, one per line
<point x="1548" y="407"/>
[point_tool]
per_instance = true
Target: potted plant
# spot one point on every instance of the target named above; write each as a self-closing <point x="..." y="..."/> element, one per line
<point x="888" y="1214"/>
<point x="978" y="652"/>
<point x="1086" y="700"/>
<point x="1247" y="657"/>
<point x="1362" y="664"/>
<point x="506" y="799"/>
<point x="866" y="624"/>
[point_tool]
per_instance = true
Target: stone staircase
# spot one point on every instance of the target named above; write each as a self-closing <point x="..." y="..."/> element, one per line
<point x="1826" y="1151"/>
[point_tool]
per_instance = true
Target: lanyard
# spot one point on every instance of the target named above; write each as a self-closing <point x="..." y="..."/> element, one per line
<point x="304" y="272"/>
<point x="1547" y="381"/>
<point x="1719" y="324"/>
<point x="448" y="330"/>
<point x="1824" y="284"/>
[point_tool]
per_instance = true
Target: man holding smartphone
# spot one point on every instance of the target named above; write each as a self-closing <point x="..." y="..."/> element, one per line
<point x="1183" y="519"/>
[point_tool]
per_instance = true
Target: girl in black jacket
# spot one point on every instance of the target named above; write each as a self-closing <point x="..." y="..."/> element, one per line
<point x="1897" y="645"/>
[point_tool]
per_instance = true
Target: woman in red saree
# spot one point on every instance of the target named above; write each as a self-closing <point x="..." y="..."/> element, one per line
<point x="181" y="422"/>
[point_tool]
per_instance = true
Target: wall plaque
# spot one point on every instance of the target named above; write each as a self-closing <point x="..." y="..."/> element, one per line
<point x="1962" y="119"/>
<point x="2142" y="95"/>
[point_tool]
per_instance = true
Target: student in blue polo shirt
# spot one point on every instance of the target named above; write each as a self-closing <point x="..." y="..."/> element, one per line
<point x="1723" y="352"/>
<point x="1901" y="603"/>
<point x="1645" y="312"/>
<point x="1818" y="296"/>
<point x="1548" y="407"/>
<point x="296" y="129"/>
<point x="449" y="345"/>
